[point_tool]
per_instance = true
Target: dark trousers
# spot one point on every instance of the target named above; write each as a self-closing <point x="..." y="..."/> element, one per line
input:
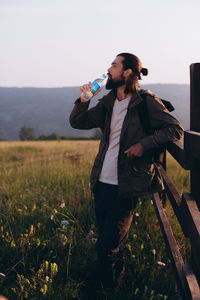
<point x="113" y="216"/>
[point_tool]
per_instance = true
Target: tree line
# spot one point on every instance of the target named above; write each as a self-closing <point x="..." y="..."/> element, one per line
<point x="28" y="134"/>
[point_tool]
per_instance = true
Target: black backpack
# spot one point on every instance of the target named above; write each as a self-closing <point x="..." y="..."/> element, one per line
<point x="158" y="154"/>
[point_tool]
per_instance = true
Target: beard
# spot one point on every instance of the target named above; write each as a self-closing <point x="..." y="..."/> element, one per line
<point x="113" y="84"/>
<point x="131" y="84"/>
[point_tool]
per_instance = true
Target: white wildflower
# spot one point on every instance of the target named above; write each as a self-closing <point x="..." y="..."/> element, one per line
<point x="59" y="229"/>
<point x="136" y="214"/>
<point x="154" y="252"/>
<point x="62" y="205"/>
<point x="160" y="263"/>
<point x="135" y="236"/>
<point x="64" y="222"/>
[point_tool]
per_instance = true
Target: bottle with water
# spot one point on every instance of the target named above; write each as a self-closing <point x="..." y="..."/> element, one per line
<point x="96" y="85"/>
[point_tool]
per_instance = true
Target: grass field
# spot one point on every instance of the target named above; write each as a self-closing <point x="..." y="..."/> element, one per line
<point x="47" y="226"/>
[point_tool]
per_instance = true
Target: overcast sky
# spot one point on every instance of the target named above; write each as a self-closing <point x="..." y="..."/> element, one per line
<point x="53" y="43"/>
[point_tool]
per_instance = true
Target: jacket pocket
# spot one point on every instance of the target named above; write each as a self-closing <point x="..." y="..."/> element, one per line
<point x="140" y="166"/>
<point x="136" y="172"/>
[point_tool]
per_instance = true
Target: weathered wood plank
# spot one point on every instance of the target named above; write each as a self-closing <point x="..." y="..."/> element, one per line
<point x="195" y="97"/>
<point x="176" y="149"/>
<point x="171" y="190"/>
<point x="195" y="126"/>
<point x="192" y="144"/>
<point x="191" y="216"/>
<point x="195" y="263"/>
<point x="186" y="211"/>
<point x="192" y="149"/>
<point x="191" y="284"/>
<point x="185" y="276"/>
<point x="175" y="199"/>
<point x="169" y="239"/>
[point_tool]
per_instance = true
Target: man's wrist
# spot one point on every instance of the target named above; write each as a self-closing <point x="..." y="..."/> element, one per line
<point x="82" y="100"/>
<point x="78" y="101"/>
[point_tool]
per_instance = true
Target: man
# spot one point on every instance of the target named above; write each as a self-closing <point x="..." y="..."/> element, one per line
<point x="124" y="167"/>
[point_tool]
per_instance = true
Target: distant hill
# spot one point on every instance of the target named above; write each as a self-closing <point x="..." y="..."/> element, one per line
<point x="47" y="109"/>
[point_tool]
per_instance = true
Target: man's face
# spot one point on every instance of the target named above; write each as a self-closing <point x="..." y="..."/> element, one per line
<point x="115" y="74"/>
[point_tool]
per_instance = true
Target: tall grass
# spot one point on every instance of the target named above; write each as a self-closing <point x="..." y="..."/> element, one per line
<point x="47" y="226"/>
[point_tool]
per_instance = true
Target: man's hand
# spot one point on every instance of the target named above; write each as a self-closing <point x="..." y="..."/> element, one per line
<point x="86" y="88"/>
<point x="136" y="150"/>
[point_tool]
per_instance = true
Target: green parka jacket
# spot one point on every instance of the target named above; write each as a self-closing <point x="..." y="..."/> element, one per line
<point x="136" y="176"/>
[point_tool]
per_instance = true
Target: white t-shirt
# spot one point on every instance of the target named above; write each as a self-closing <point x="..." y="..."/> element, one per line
<point x="109" y="169"/>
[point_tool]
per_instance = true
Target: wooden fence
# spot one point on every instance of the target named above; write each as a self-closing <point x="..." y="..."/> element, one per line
<point x="186" y="206"/>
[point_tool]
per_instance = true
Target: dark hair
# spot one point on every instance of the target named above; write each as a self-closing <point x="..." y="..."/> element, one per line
<point x="132" y="62"/>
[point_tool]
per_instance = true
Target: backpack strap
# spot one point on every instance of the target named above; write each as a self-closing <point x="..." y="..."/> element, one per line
<point x="144" y="115"/>
<point x="158" y="154"/>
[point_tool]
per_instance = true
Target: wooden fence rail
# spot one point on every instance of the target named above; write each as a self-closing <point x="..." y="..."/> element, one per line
<point x="186" y="206"/>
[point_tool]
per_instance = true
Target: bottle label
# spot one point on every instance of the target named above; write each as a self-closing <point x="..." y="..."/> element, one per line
<point x="95" y="87"/>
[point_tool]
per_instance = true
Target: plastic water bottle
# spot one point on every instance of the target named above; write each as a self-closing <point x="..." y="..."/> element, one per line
<point x="96" y="85"/>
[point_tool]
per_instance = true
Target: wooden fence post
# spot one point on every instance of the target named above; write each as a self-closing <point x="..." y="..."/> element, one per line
<point x="195" y="126"/>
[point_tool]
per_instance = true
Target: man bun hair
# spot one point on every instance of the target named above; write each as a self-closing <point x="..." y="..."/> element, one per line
<point x="144" y="71"/>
